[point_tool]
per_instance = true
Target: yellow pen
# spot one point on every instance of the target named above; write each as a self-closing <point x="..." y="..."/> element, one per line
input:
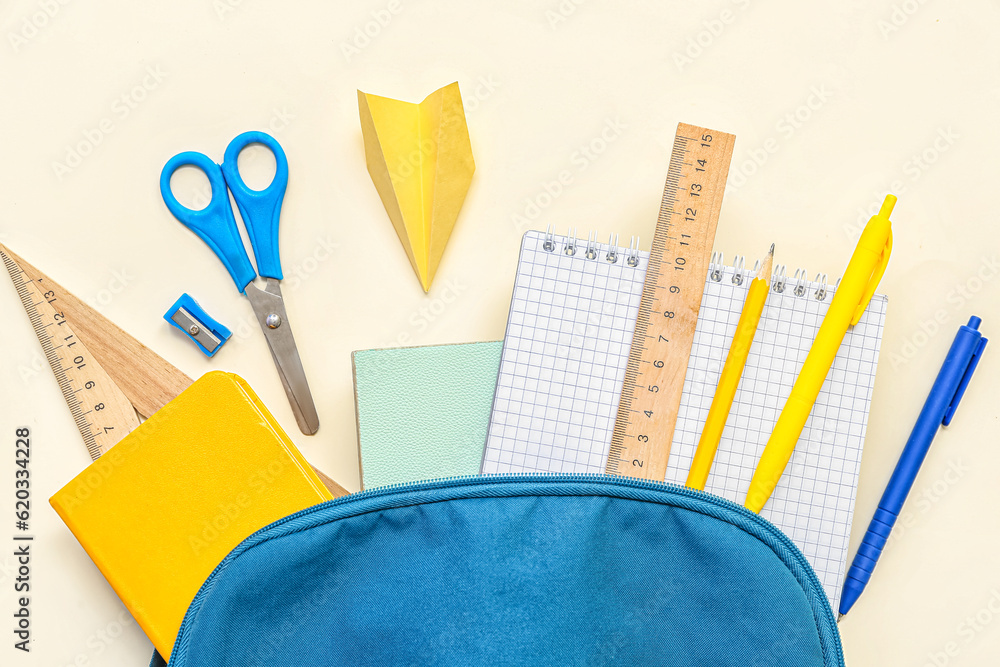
<point x="849" y="302"/>
<point x="736" y="360"/>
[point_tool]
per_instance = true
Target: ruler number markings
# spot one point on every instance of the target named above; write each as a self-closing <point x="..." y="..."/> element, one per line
<point x="684" y="234"/>
<point x="92" y="404"/>
<point x="680" y="261"/>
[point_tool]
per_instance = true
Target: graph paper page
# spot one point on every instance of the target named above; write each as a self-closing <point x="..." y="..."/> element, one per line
<point x="814" y="501"/>
<point x="568" y="337"/>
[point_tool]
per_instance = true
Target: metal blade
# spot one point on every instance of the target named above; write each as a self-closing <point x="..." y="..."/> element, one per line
<point x="269" y="308"/>
<point x="190" y="324"/>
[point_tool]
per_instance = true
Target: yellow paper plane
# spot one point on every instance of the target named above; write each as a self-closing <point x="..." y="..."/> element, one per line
<point x="420" y="159"/>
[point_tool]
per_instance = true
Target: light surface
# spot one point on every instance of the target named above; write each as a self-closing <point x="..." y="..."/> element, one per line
<point x="571" y="117"/>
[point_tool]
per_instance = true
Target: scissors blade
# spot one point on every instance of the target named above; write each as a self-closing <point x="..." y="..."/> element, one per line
<point x="269" y="308"/>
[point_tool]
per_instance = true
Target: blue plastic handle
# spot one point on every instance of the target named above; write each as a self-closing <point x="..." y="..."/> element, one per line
<point x="215" y="223"/>
<point x="261" y="209"/>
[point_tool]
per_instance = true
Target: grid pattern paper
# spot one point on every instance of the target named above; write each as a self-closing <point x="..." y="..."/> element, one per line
<point x="564" y="358"/>
<point x="568" y="336"/>
<point x="814" y="500"/>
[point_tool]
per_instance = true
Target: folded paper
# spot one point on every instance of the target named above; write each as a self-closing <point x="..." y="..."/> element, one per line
<point x="420" y="159"/>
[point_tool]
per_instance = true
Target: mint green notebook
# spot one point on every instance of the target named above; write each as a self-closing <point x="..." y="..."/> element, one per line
<point x="423" y="411"/>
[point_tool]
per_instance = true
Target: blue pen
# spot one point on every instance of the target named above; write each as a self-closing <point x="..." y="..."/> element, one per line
<point x="939" y="409"/>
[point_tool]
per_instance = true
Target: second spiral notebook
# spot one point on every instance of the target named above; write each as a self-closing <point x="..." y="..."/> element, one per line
<point x="568" y="335"/>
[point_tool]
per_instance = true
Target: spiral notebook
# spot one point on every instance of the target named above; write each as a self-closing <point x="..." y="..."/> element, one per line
<point x="568" y="336"/>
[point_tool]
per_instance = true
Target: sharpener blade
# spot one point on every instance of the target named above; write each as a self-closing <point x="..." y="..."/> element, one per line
<point x="196" y="324"/>
<point x="196" y="330"/>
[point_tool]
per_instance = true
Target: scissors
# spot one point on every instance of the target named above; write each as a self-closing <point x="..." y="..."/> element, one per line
<point x="216" y="225"/>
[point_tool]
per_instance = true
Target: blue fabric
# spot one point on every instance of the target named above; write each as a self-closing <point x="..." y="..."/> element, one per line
<point x="526" y="570"/>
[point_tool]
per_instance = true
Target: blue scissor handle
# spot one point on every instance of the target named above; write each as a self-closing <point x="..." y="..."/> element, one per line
<point x="260" y="209"/>
<point x="215" y="223"/>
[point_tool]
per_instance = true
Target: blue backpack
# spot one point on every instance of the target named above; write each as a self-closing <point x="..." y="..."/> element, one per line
<point x="514" y="570"/>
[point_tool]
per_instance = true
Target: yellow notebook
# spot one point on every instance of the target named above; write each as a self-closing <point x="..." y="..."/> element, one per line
<point x="165" y="505"/>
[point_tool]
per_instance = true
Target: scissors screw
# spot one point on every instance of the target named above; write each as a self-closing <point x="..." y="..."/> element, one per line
<point x="194" y="330"/>
<point x="273" y="320"/>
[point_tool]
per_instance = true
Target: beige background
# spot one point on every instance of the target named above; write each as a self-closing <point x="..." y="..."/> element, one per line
<point x="832" y="104"/>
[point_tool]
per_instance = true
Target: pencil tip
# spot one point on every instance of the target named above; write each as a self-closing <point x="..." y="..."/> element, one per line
<point x="764" y="271"/>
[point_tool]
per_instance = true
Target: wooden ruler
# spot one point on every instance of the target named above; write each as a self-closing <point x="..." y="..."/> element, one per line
<point x="106" y="375"/>
<point x="148" y="380"/>
<point x="671" y="298"/>
<point x="102" y="412"/>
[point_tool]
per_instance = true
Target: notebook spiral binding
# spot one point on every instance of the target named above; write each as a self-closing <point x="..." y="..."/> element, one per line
<point x="610" y="252"/>
<point x="799" y="283"/>
<point x="570" y="244"/>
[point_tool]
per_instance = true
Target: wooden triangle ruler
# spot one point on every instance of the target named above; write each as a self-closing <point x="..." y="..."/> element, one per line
<point x="671" y="298"/>
<point x="107" y="377"/>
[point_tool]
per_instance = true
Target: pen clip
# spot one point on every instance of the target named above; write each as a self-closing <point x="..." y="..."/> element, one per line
<point x="883" y="260"/>
<point x="960" y="391"/>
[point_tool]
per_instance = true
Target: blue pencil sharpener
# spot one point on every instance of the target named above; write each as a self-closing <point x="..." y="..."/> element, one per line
<point x="188" y="316"/>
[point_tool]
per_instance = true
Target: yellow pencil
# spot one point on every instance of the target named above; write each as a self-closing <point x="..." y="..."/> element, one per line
<point x="753" y="306"/>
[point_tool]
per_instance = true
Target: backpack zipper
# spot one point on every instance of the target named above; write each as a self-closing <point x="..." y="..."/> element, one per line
<point x="742" y="514"/>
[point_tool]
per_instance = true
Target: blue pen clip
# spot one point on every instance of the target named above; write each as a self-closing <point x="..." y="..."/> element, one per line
<point x="188" y="316"/>
<point x="969" y="370"/>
